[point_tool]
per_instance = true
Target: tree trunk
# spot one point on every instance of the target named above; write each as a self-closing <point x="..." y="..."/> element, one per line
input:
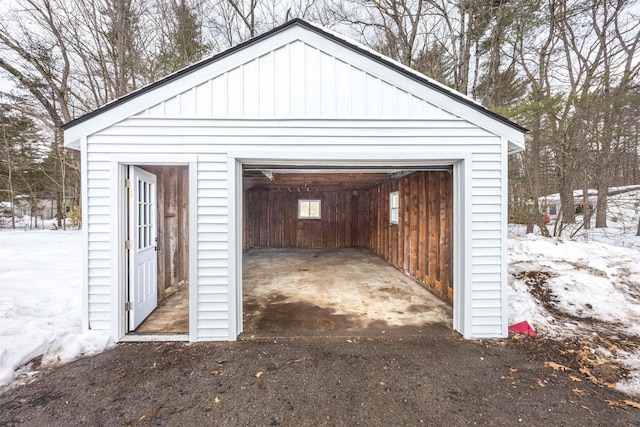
<point x="601" y="205"/>
<point x="59" y="209"/>
<point x="586" y="212"/>
<point x="13" y="210"/>
<point x="568" y="206"/>
<point x="530" y="220"/>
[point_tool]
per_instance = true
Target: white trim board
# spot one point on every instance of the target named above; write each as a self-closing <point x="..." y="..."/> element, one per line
<point x="461" y="206"/>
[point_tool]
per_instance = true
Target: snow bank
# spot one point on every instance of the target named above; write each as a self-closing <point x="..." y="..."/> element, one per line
<point x="40" y="302"/>
<point x="587" y="280"/>
<point x="592" y="288"/>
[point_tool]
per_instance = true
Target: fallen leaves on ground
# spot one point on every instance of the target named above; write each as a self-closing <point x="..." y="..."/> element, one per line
<point x="586" y="371"/>
<point x="289" y="362"/>
<point x="556" y="366"/>
<point x="615" y="404"/>
<point x="632" y="403"/>
<point x="623" y="404"/>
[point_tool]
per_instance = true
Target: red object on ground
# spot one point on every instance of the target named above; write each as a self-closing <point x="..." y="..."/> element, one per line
<point x="523" y="328"/>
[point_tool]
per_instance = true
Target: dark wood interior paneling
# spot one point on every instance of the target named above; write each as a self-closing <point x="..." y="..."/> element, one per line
<point x="271" y="219"/>
<point x="173" y="227"/>
<point x="421" y="242"/>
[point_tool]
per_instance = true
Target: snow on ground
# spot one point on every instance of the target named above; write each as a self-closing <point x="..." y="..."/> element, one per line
<point x="583" y="283"/>
<point x="40" y="302"/>
<point x="587" y="280"/>
<point x="566" y="288"/>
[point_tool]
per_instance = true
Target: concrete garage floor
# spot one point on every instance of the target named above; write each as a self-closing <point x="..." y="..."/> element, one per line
<point x="334" y="292"/>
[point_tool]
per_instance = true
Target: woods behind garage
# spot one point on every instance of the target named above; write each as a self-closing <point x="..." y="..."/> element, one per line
<point x="419" y="244"/>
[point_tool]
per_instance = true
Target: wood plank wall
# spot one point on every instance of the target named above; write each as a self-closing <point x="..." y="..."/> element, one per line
<point x="173" y="227"/>
<point x="271" y="219"/>
<point x="421" y="243"/>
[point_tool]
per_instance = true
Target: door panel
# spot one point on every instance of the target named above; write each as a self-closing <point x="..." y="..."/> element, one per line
<point x="143" y="262"/>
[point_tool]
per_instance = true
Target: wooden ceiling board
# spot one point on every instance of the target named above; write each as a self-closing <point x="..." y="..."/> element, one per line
<point x="315" y="181"/>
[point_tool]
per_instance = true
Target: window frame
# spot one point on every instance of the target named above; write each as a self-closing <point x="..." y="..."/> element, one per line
<point x="309" y="216"/>
<point x="392" y="208"/>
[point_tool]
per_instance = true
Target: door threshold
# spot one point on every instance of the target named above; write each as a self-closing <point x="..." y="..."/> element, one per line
<point x="154" y="337"/>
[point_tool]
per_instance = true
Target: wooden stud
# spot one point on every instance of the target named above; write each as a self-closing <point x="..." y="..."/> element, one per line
<point x="432" y="239"/>
<point x="423" y="226"/>
<point x="400" y="228"/>
<point x="407" y="223"/>
<point x="413" y="262"/>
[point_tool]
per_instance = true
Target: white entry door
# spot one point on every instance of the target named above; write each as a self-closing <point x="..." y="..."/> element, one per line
<point x="143" y="261"/>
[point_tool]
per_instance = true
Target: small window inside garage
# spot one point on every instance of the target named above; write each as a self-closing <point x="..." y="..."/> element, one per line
<point x="394" y="207"/>
<point x="377" y="255"/>
<point x="309" y="209"/>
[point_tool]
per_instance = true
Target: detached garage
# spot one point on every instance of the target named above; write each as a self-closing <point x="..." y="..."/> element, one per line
<point x="298" y="143"/>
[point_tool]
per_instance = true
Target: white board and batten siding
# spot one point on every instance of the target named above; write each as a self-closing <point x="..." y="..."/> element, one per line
<point x="296" y="95"/>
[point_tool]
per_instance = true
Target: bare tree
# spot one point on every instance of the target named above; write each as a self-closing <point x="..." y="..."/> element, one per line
<point x="41" y="63"/>
<point x="20" y="155"/>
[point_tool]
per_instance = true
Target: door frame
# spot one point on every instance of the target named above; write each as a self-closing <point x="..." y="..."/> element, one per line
<point x="461" y="162"/>
<point x="118" y="232"/>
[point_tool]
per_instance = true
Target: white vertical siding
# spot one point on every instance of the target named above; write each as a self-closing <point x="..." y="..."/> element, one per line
<point x="296" y="81"/>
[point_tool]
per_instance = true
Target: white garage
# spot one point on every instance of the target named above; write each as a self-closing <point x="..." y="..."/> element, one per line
<point x="297" y="138"/>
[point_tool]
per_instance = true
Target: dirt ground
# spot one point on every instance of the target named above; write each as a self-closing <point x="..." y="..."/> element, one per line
<point x="436" y="378"/>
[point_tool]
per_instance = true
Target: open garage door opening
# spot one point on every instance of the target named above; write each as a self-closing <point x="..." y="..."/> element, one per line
<point x="347" y="251"/>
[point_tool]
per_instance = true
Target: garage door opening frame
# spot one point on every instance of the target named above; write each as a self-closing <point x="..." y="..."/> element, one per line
<point x="461" y="162"/>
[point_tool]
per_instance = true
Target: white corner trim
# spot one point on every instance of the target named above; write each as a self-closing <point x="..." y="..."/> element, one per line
<point x="193" y="249"/>
<point x="504" y="237"/>
<point x="466" y="225"/>
<point x="84" y="191"/>
<point x="117" y="233"/>
<point x="233" y="273"/>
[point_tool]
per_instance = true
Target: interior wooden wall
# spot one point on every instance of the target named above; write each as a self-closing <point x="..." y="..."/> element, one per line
<point x="173" y="227"/>
<point x="421" y="242"/>
<point x="271" y="219"/>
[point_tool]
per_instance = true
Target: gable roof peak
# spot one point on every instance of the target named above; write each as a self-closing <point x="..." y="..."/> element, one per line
<point x="322" y="31"/>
